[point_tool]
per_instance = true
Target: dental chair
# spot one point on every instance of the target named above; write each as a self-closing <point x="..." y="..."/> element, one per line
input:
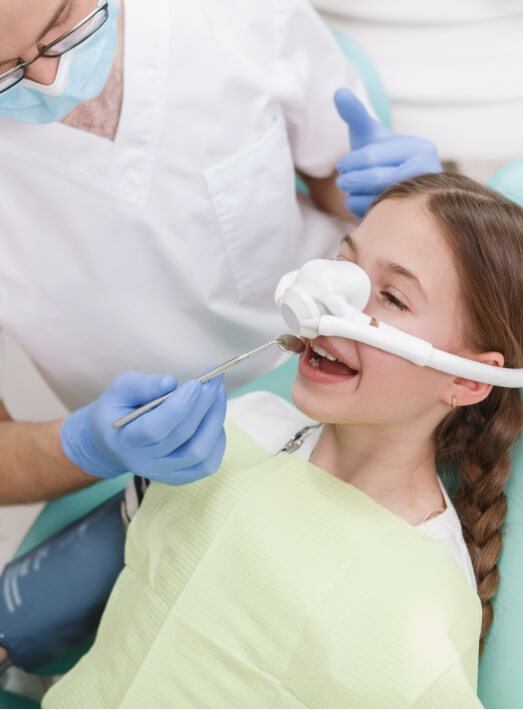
<point x="500" y="677"/>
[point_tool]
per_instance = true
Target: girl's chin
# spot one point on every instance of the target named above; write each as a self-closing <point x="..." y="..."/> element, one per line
<point x="320" y="404"/>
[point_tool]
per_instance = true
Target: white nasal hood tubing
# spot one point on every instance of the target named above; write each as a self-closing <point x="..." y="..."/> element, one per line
<point x="327" y="298"/>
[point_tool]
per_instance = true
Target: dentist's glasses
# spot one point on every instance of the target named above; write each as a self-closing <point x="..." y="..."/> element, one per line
<point x="69" y="40"/>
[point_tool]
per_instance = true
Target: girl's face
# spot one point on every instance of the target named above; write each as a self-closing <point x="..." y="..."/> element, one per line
<point x="415" y="288"/>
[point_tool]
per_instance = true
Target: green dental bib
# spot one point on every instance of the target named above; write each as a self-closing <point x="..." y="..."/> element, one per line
<point x="273" y="584"/>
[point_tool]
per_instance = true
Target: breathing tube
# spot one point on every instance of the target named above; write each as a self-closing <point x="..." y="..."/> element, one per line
<point x="328" y="298"/>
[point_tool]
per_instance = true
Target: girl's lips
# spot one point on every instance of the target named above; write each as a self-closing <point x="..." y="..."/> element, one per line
<point x="315" y="374"/>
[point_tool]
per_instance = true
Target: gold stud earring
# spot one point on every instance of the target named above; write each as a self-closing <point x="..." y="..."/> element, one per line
<point x="453" y="401"/>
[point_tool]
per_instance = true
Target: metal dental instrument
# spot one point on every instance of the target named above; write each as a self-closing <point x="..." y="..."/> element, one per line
<point x="287" y="342"/>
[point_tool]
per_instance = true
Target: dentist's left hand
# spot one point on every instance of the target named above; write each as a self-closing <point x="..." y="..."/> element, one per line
<point x="180" y="441"/>
<point x="379" y="156"/>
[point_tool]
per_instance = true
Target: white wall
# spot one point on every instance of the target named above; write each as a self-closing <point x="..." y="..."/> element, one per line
<point x="452" y="69"/>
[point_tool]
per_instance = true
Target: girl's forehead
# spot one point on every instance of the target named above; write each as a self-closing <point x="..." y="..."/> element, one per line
<point x="401" y="220"/>
<point x="403" y="229"/>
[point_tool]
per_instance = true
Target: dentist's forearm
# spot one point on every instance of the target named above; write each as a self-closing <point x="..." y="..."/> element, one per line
<point x="33" y="466"/>
<point x="327" y="197"/>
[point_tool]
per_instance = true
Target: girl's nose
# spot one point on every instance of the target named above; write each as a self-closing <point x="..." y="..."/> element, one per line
<point x="44" y="70"/>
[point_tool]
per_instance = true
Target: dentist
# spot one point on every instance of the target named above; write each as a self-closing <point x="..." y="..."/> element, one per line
<point x="148" y="154"/>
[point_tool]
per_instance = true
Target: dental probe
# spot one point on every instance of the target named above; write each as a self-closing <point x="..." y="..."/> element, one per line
<point x="287" y="342"/>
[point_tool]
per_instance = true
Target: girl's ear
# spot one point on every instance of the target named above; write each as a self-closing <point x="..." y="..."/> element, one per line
<point x="464" y="392"/>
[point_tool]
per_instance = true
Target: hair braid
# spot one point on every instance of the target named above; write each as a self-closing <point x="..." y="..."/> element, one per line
<point x="476" y="441"/>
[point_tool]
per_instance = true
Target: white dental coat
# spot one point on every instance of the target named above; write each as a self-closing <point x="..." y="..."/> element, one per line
<point x="160" y="251"/>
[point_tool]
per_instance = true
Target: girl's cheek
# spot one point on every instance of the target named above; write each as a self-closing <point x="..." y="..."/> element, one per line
<point x="375" y="360"/>
<point x="387" y="372"/>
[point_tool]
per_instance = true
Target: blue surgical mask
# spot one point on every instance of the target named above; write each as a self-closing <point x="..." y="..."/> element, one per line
<point x="82" y="74"/>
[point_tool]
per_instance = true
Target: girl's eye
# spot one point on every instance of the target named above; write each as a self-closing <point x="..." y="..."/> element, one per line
<point x="393" y="301"/>
<point x="389" y="297"/>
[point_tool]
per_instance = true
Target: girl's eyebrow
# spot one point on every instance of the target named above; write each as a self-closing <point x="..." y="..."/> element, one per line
<point x="391" y="267"/>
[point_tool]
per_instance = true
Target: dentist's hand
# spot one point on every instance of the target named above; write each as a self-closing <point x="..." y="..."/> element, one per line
<point x="180" y="441"/>
<point x="379" y="156"/>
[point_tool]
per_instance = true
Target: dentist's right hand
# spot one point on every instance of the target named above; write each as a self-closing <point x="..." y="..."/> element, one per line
<point x="180" y="441"/>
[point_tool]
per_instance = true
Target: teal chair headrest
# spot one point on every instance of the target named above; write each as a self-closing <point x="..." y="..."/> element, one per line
<point x="509" y="181"/>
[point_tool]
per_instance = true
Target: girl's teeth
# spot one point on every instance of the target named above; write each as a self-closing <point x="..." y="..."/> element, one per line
<point x="314" y="362"/>
<point x="322" y="352"/>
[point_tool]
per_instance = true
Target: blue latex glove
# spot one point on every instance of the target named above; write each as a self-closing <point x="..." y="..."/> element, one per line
<point x="180" y="441"/>
<point x="52" y="598"/>
<point x="379" y="157"/>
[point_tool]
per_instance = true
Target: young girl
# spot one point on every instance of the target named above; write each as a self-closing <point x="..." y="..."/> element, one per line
<point x="336" y="573"/>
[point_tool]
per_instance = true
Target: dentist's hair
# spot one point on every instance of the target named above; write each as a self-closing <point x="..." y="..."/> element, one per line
<point x="484" y="232"/>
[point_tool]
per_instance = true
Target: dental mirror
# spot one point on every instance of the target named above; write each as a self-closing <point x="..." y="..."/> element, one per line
<point x="290" y="343"/>
<point x="287" y="342"/>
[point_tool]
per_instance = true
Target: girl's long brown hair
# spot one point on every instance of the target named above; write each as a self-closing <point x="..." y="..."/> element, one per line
<point x="484" y="232"/>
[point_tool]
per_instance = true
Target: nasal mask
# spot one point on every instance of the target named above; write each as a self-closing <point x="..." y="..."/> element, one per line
<point x="328" y="298"/>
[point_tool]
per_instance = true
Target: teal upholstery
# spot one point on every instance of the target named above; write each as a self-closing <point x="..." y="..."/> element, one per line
<point x="278" y="381"/>
<point x="13" y="700"/>
<point x="509" y="181"/>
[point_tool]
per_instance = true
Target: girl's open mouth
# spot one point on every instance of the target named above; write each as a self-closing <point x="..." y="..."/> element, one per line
<point x="320" y="365"/>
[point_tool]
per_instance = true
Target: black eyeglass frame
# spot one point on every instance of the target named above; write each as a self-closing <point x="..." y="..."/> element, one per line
<point x="43" y="52"/>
